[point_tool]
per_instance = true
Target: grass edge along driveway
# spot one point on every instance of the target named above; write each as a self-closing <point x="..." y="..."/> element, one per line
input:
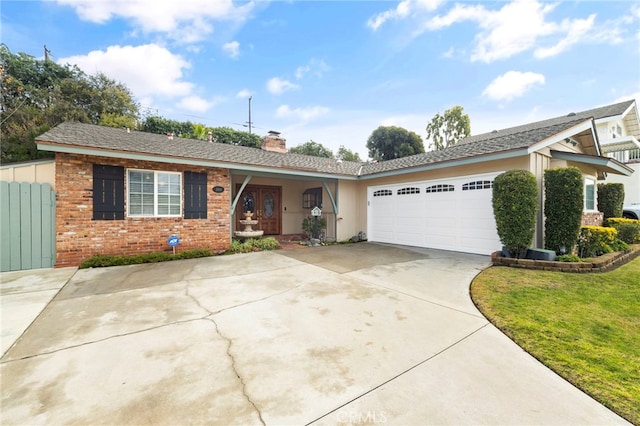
<point x="585" y="327"/>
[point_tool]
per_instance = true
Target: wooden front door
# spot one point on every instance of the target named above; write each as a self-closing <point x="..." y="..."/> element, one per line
<point x="266" y="203"/>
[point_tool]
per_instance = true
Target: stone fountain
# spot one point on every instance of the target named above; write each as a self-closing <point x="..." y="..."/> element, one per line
<point x="248" y="231"/>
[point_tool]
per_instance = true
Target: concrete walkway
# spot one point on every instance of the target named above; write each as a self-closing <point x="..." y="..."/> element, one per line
<point x="351" y="334"/>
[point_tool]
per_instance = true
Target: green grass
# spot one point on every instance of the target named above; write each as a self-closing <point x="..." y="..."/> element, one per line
<point x="585" y="327"/>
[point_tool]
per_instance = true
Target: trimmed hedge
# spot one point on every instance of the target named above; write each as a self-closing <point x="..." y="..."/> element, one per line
<point x="253" y="244"/>
<point x="599" y="240"/>
<point x="99" y="261"/>
<point x="595" y="240"/>
<point x="610" y="199"/>
<point x="563" y="204"/>
<point x="515" y="202"/>
<point x="628" y="229"/>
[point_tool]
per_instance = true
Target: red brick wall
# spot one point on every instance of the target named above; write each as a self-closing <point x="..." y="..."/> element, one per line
<point x="79" y="237"/>
<point x="592" y="219"/>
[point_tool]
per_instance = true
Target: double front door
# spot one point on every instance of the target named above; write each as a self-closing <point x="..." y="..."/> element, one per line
<point x="264" y="201"/>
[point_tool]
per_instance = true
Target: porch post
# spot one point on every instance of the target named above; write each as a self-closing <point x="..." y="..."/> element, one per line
<point x="334" y="204"/>
<point x="234" y="203"/>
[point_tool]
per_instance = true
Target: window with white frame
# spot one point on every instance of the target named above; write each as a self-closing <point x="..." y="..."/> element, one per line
<point x="589" y="194"/>
<point x="154" y="193"/>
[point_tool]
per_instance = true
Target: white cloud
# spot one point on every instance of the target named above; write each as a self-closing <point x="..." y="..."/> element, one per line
<point x="305" y="114"/>
<point x="576" y="30"/>
<point x="232" y="49"/>
<point x="195" y="103"/>
<point x="513" y="29"/>
<point x="147" y="70"/>
<point x="187" y="21"/>
<point x="404" y="9"/>
<point x="317" y="67"/>
<point x="519" y="26"/>
<point x="244" y="93"/>
<point x="278" y="86"/>
<point x="512" y="84"/>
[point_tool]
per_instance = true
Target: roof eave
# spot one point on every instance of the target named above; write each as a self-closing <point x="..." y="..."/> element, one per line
<point x="449" y="163"/>
<point x="563" y="135"/>
<point x="602" y="164"/>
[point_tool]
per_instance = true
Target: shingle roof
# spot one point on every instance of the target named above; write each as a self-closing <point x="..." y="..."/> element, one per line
<point x="509" y="139"/>
<point x="81" y="135"/>
<point x="119" y="140"/>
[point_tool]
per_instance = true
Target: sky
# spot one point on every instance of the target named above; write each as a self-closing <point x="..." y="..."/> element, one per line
<point x="333" y="71"/>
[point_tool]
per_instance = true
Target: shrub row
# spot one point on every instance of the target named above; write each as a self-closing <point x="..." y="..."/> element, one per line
<point x="628" y="229"/>
<point x="99" y="261"/>
<point x="253" y="244"/>
<point x="599" y="240"/>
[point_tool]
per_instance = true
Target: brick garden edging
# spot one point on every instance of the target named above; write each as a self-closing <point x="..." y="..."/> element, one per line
<point x="604" y="263"/>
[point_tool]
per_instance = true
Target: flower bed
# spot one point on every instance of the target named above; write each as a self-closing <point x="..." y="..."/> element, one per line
<point x="603" y="263"/>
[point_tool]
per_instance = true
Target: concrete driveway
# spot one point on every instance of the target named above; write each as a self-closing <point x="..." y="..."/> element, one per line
<point x="348" y="334"/>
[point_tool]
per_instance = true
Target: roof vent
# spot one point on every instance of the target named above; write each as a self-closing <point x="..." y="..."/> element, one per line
<point x="494" y="131"/>
<point x="571" y="114"/>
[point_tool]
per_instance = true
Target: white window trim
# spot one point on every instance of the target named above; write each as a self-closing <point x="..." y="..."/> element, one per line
<point x="592" y="181"/>
<point x="155" y="193"/>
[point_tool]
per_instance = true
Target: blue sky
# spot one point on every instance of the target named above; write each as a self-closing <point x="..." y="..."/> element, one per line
<point x="333" y="71"/>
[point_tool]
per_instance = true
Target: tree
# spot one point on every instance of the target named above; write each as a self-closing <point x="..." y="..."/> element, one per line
<point x="37" y="95"/>
<point x="162" y="126"/>
<point x="199" y="131"/>
<point x="387" y="143"/>
<point x="446" y="130"/>
<point x="235" y="137"/>
<point x="312" y="148"/>
<point x="348" y="155"/>
<point x="111" y="97"/>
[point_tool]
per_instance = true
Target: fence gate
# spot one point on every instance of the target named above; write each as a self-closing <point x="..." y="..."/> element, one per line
<point x="27" y="226"/>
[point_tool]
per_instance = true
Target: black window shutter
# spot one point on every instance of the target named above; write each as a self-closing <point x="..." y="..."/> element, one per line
<point x="108" y="192"/>
<point x="195" y="195"/>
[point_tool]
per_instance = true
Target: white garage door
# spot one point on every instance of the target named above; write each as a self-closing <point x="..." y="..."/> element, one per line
<point x="448" y="214"/>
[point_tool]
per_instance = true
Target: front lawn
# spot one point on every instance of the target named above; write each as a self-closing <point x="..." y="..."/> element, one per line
<point x="585" y="327"/>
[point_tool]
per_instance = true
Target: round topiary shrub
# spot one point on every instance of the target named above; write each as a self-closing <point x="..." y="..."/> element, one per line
<point x="610" y="199"/>
<point x="515" y="202"/>
<point x="563" y="205"/>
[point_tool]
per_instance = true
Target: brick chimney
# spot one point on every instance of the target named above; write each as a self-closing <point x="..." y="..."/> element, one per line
<point x="273" y="142"/>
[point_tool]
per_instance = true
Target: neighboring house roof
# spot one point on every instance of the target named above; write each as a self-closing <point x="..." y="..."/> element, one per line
<point x="629" y="116"/>
<point x="119" y="143"/>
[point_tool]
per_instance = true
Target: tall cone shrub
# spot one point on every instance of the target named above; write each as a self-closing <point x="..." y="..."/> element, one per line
<point x="610" y="199"/>
<point x="563" y="204"/>
<point x="515" y="202"/>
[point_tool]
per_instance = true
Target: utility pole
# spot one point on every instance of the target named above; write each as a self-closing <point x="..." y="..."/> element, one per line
<point x="249" y="122"/>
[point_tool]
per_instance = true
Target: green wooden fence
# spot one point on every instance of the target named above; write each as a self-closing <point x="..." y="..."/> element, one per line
<point x="27" y="226"/>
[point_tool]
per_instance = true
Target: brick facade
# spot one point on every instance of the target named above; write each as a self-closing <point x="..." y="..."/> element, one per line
<point x="78" y="236"/>
<point x="592" y="219"/>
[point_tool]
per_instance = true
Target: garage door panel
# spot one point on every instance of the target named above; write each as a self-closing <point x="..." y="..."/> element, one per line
<point x="442" y="215"/>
